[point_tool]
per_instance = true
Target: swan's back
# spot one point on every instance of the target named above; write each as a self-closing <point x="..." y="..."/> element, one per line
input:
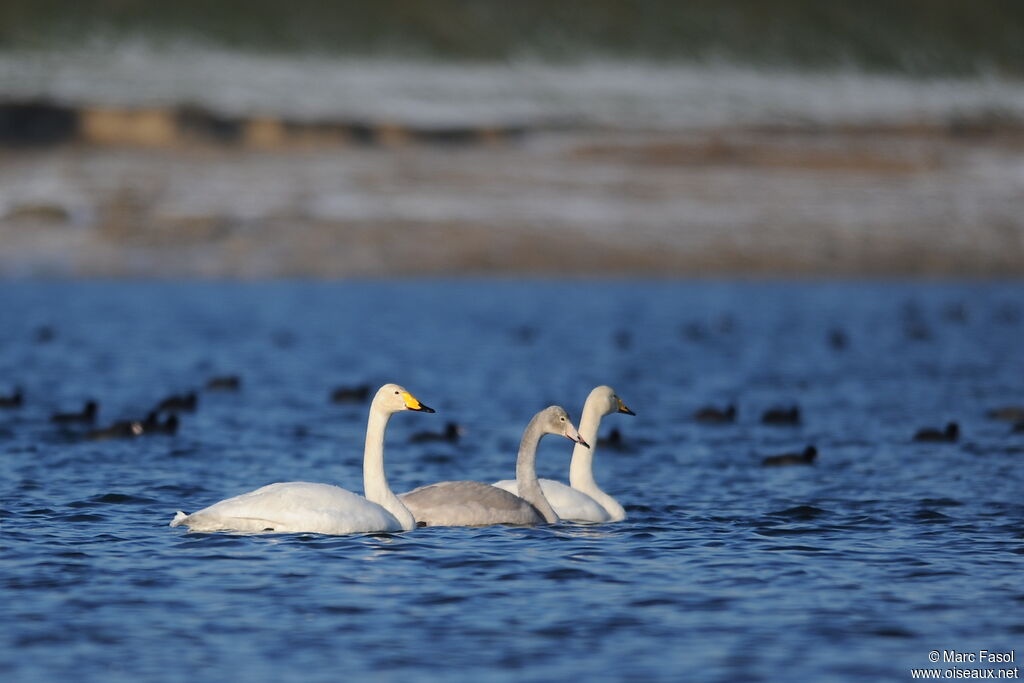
<point x="468" y="503"/>
<point x="293" y="507"/>
<point x="567" y="502"/>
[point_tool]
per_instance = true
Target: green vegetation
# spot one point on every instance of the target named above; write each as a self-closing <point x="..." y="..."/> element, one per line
<point x="914" y="36"/>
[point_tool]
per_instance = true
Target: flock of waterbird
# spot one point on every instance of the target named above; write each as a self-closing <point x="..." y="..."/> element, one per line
<point x="322" y="508"/>
<point x="293" y="507"/>
<point x="162" y="419"/>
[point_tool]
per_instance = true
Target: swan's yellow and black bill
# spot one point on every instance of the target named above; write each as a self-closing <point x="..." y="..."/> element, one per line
<point x="623" y="408"/>
<point x="413" y="403"/>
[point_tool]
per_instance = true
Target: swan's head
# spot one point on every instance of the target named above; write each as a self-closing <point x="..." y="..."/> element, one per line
<point x="554" y="420"/>
<point x="609" y="401"/>
<point x="393" y="398"/>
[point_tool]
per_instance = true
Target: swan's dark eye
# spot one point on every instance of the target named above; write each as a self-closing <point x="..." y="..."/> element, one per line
<point x="397" y="392"/>
<point x="562" y="419"/>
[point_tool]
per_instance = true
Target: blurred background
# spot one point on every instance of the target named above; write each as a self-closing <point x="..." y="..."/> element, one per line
<point x="468" y="137"/>
<point x="434" y="175"/>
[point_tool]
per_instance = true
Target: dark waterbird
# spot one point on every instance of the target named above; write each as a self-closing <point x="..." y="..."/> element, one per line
<point x="122" y="429"/>
<point x="451" y="434"/>
<point x="13" y="400"/>
<point x="614" y="439"/>
<point x="805" y="457"/>
<point x="955" y="312"/>
<point x="224" y="383"/>
<point x="1007" y="413"/>
<point x="715" y="415"/>
<point x="153" y="425"/>
<point x="837" y="339"/>
<point x="44" y="334"/>
<point x="524" y="334"/>
<point x="178" y="403"/>
<point x="781" y="416"/>
<point x="87" y="414"/>
<point x="694" y="331"/>
<point x="129" y="429"/>
<point x="948" y="435"/>
<point x="917" y="331"/>
<point x="353" y="394"/>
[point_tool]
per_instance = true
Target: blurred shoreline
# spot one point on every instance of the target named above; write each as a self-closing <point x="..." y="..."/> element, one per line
<point x="730" y="203"/>
<point x="215" y="164"/>
<point x="592" y="94"/>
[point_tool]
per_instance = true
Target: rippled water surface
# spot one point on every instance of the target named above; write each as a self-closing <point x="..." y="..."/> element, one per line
<point x="851" y="569"/>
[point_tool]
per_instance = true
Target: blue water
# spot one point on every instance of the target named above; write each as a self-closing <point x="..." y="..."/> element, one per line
<point x="852" y="569"/>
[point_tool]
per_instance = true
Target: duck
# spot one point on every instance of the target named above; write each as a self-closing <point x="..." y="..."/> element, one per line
<point x="353" y="394"/>
<point x="805" y="457"/>
<point x="781" y="416"/>
<point x="715" y="415"/>
<point x="306" y="507"/>
<point x="224" y="383"/>
<point x="473" y="503"/>
<point x="452" y="432"/>
<point x="178" y="403"/>
<point x="13" y="400"/>
<point x="583" y="500"/>
<point x="87" y="414"/>
<point x="948" y="435"/>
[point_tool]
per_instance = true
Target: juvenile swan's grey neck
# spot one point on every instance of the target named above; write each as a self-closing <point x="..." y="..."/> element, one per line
<point x="375" y="482"/>
<point x="526" y="470"/>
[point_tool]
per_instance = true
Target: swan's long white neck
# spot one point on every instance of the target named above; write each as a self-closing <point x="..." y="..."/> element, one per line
<point x="526" y="471"/>
<point x="581" y="469"/>
<point x="375" y="483"/>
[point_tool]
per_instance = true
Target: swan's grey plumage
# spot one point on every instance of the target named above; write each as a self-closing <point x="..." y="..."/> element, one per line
<point x="583" y="500"/>
<point x="472" y="503"/>
<point x="468" y="503"/>
<point x="304" y="507"/>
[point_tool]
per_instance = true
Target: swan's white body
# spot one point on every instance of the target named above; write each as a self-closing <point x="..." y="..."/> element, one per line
<point x="294" y="507"/>
<point x="583" y="500"/>
<point x="471" y="503"/>
<point x="303" y="507"/>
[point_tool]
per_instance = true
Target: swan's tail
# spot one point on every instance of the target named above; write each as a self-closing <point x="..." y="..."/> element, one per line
<point x="179" y="518"/>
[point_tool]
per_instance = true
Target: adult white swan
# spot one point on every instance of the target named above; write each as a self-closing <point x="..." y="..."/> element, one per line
<point x="472" y="503"/>
<point x="298" y="506"/>
<point x="583" y="500"/>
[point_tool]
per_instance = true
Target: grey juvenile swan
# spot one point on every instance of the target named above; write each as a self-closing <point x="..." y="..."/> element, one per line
<point x="583" y="500"/>
<point x="472" y="503"/>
